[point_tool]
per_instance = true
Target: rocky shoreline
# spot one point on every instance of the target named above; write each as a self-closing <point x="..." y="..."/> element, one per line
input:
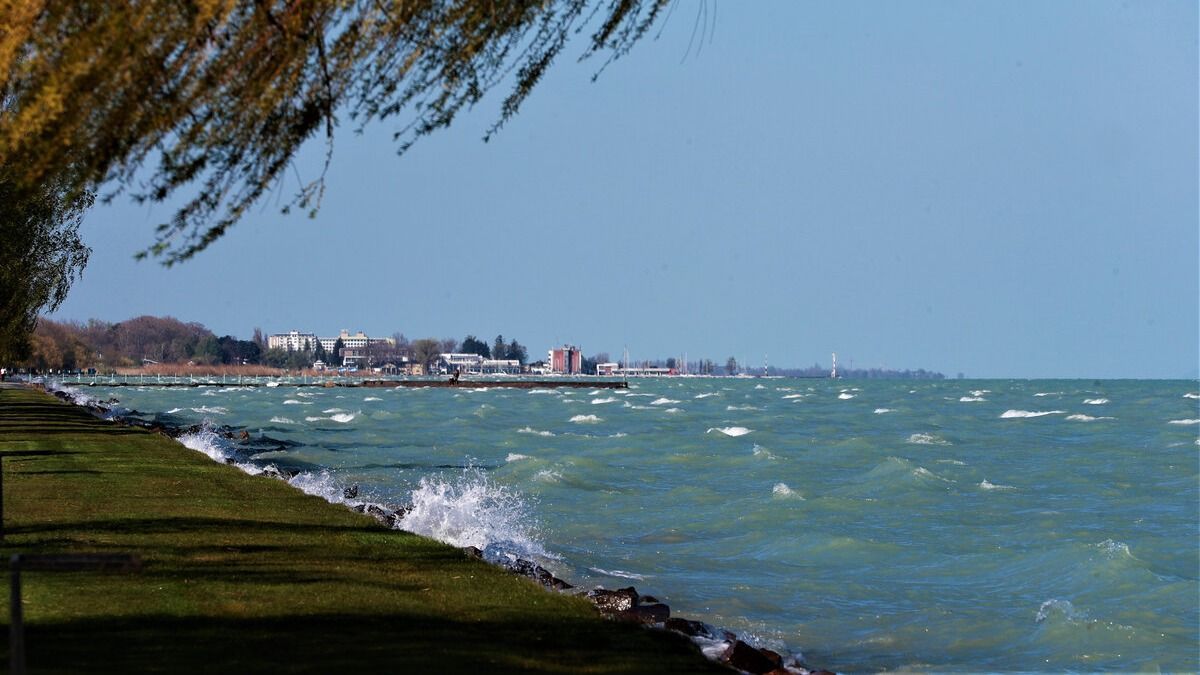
<point x="623" y="604"/>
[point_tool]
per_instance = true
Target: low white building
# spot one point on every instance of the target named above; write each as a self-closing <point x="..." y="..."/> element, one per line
<point x="467" y="363"/>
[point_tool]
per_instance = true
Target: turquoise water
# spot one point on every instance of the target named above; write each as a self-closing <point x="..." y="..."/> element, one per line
<point x="965" y="525"/>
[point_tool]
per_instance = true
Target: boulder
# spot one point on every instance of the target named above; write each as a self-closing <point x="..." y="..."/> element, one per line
<point x="744" y="657"/>
<point x="350" y="492"/>
<point x="612" y="602"/>
<point x="655" y="613"/>
<point x="687" y="627"/>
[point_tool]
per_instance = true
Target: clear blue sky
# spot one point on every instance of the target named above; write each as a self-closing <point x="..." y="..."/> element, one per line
<point x="1004" y="189"/>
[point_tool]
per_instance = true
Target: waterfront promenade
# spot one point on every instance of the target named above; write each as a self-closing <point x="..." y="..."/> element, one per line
<point x="246" y="574"/>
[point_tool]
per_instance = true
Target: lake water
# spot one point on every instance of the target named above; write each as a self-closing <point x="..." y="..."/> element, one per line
<point x="950" y="525"/>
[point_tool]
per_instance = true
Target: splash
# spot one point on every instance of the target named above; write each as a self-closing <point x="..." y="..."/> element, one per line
<point x="472" y="510"/>
<point x="207" y="441"/>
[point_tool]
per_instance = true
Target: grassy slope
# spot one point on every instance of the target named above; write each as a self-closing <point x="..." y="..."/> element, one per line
<point x="246" y="574"/>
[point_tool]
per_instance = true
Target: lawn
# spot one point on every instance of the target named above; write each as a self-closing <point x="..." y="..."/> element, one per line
<point x="246" y="574"/>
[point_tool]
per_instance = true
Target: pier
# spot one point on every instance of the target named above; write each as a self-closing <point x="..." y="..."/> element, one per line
<point x="320" y="382"/>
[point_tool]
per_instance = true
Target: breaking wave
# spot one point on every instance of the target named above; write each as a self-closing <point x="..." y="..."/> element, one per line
<point x="1017" y="414"/>
<point x="583" y="419"/>
<point x="927" y="439"/>
<point x="535" y="432"/>
<point x="730" y="431"/>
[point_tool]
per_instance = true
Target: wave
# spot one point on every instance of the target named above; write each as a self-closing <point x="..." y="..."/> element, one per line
<point x="535" y="432"/>
<point x="1056" y="607"/>
<point x="542" y="391"/>
<point x="282" y="420"/>
<point x="1191" y="395"/>
<point x="1049" y="393"/>
<point x="206" y="440"/>
<point x="598" y="401"/>
<point x="984" y="484"/>
<point x="971" y="399"/>
<point x="794" y="396"/>
<point x="620" y="574"/>
<point x="1188" y="421"/>
<point x="707" y="394"/>
<point x="515" y="457"/>
<point x="372" y="398"/>
<point x="1087" y="418"/>
<point x="673" y="410"/>
<point x="333" y="410"/>
<point x="172" y="411"/>
<point x="206" y="410"/>
<point x="927" y="439"/>
<point x="1017" y="414"/>
<point x="882" y="411"/>
<point x="581" y="419"/>
<point x="741" y="407"/>
<point x="663" y="401"/>
<point x="730" y="431"/>
<point x="782" y="491"/>
<point x="292" y="401"/>
<point x="845" y="396"/>
<point x="760" y="451"/>
<point x="1095" y="401"/>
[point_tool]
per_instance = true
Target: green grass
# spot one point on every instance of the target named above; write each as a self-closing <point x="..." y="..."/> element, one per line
<point x="246" y="574"/>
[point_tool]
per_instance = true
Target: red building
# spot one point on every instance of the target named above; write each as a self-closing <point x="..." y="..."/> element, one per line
<point x="566" y="359"/>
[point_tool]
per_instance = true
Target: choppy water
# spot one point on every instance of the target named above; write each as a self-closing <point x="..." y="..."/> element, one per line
<point x="977" y="525"/>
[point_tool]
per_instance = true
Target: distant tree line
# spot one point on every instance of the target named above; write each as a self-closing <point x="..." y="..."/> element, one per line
<point x="73" y="345"/>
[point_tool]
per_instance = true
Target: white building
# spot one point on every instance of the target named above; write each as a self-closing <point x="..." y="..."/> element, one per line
<point x="357" y="341"/>
<point x="467" y="363"/>
<point x="294" y="341"/>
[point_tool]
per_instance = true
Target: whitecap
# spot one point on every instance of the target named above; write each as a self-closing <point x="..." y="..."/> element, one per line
<point x="1191" y="395"/>
<point x="730" y="431"/>
<point x="1048" y="393"/>
<point x="882" y="411"/>
<point x="981" y="392"/>
<point x="1087" y="418"/>
<point x="206" y="410"/>
<point x="707" y="394"/>
<point x="535" y="432"/>
<point x="663" y="401"/>
<point x="759" y="386"/>
<point x="1095" y="401"/>
<point x="515" y="457"/>
<point x="984" y="484"/>
<point x="342" y="418"/>
<point x="542" y="391"/>
<point x="673" y="410"/>
<point x="782" y="491"/>
<point x="172" y="411"/>
<point x="548" y="476"/>
<point x="845" y="396"/>
<point x="598" y="401"/>
<point x="333" y="410"/>
<point x="372" y="398"/>
<point x="740" y="407"/>
<point x="971" y="399"/>
<point x="922" y="472"/>
<point x="1014" y="414"/>
<point x="292" y="401"/>
<point x="956" y="462"/>
<point x="793" y="396"/>
<point x="579" y="419"/>
<point x="282" y="420"/>
<point x="1184" y="422"/>
<point x="315" y="419"/>
<point x="927" y="439"/>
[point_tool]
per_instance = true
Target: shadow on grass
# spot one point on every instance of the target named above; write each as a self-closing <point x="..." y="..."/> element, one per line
<point x="350" y="642"/>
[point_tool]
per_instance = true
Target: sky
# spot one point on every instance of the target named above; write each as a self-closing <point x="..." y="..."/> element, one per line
<point x="1000" y="189"/>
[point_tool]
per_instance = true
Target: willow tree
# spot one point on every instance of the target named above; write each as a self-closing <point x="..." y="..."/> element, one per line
<point x="210" y="100"/>
<point x="41" y="254"/>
